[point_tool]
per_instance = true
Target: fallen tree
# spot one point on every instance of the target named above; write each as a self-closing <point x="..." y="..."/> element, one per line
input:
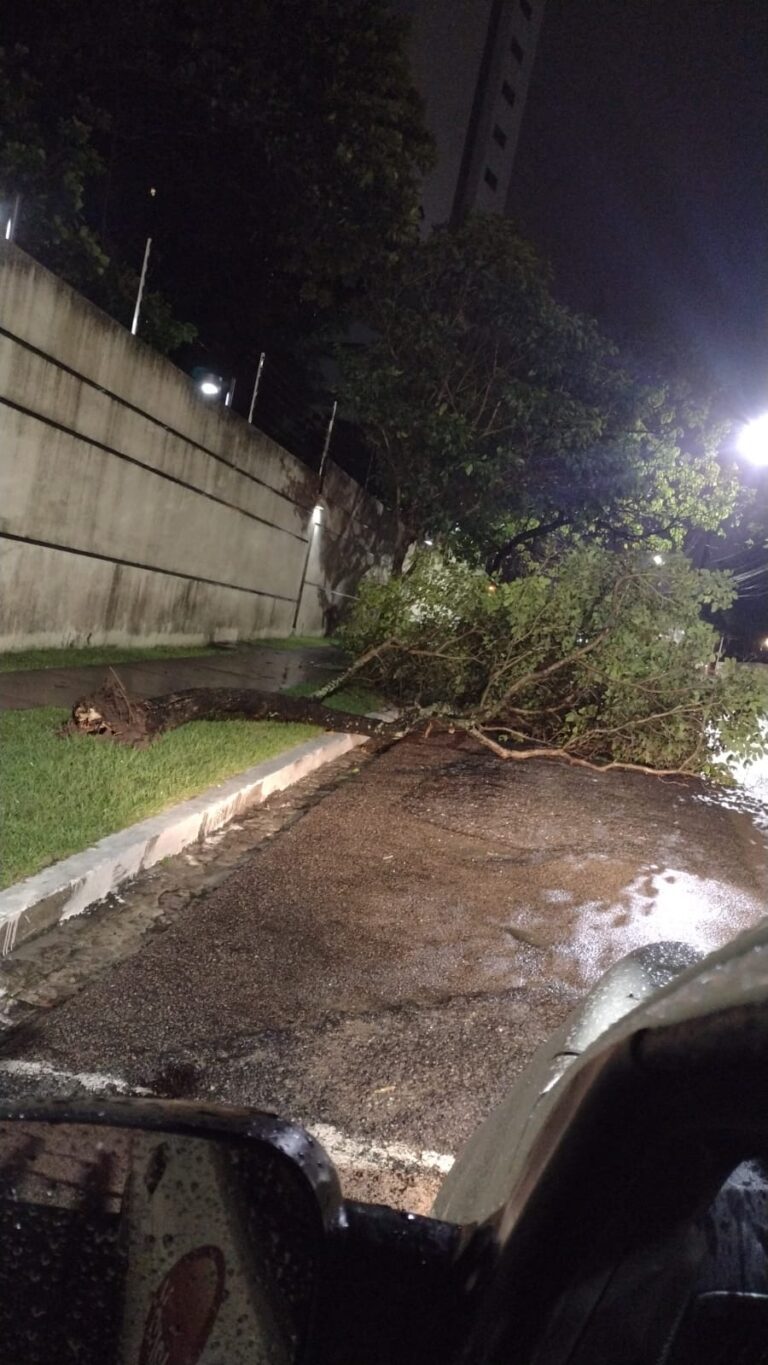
<point x="599" y="658"/>
<point x="111" y="713"/>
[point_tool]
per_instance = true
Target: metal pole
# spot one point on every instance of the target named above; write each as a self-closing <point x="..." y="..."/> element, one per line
<point x="230" y="394"/>
<point x="13" y="221"/>
<point x="256" y="383"/>
<point x="142" y="278"/>
<point x="316" y="513"/>
<point x="324" y="455"/>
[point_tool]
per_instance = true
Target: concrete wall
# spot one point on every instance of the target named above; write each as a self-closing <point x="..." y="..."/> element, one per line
<point x="130" y="509"/>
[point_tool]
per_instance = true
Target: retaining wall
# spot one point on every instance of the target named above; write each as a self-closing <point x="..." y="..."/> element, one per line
<point x="133" y="510"/>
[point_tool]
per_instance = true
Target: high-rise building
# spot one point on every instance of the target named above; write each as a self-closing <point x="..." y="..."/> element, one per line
<point x="472" y="62"/>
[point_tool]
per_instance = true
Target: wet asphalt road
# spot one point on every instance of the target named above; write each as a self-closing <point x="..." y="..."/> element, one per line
<point x="383" y="968"/>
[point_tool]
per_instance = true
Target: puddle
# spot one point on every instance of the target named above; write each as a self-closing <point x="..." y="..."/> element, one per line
<point x="660" y="903"/>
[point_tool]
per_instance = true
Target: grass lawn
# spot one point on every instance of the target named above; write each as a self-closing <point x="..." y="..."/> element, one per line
<point x="61" y="795"/>
<point x="96" y="654"/>
<point x="76" y="657"/>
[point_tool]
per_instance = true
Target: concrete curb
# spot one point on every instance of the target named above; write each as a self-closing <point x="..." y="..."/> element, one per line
<point x="71" y="886"/>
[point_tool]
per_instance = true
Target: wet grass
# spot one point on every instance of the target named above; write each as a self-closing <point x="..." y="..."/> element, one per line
<point x="61" y="795"/>
<point x="96" y="654"/>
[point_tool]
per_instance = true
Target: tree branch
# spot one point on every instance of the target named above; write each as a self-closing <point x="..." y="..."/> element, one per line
<point x="523" y="756"/>
<point x="524" y="536"/>
<point x="335" y="683"/>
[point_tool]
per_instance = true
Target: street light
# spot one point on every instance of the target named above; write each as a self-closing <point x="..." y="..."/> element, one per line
<point x="207" y="383"/>
<point x="753" y="440"/>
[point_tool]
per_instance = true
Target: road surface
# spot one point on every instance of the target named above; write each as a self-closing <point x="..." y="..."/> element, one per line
<point x="381" y="953"/>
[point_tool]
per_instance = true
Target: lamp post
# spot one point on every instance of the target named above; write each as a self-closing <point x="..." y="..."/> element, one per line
<point x="317" y="515"/>
<point x="143" y="276"/>
<point x="140" y="293"/>
<point x="12" y="220"/>
<point x="256" y="383"/>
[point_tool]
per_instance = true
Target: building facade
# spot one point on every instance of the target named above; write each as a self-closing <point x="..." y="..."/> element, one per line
<point x="472" y="62"/>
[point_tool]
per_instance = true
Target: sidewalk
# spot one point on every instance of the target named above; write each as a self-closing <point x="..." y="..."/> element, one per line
<point x="266" y="669"/>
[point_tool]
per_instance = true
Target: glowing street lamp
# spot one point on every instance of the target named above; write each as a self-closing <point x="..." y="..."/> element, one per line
<point x="210" y="385"/>
<point x="753" y="440"/>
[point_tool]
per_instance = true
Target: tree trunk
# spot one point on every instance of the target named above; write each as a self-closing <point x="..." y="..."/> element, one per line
<point x="112" y="714"/>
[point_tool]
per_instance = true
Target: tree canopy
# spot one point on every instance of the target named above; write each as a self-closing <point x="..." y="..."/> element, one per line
<point x="285" y="143"/>
<point x="49" y="162"/>
<point x="496" y="416"/>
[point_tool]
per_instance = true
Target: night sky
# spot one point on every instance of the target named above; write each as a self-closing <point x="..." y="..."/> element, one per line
<point x="642" y="172"/>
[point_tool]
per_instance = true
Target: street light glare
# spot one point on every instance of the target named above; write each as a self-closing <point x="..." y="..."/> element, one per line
<point x="658" y="559"/>
<point x="209" y="387"/>
<point x="753" y="440"/>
